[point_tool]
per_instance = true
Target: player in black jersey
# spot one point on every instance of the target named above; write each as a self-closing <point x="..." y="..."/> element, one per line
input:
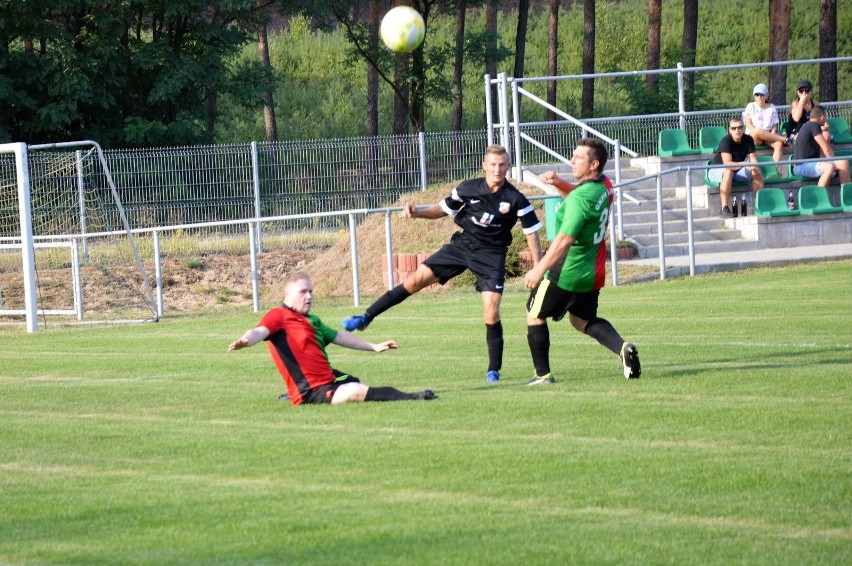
<point x="486" y="209"/>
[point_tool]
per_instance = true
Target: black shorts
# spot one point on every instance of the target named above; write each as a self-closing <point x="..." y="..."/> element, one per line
<point x="547" y="300"/>
<point x="487" y="263"/>
<point x="324" y="393"/>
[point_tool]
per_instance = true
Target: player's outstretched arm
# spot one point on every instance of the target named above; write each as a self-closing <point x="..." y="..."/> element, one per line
<point x="250" y="338"/>
<point x="410" y="210"/>
<point x="354" y="342"/>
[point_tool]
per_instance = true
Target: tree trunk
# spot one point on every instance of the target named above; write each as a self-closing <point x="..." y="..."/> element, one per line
<point x="827" y="49"/>
<point x="689" y="45"/>
<point x="458" y="66"/>
<point x="655" y="16"/>
<point x="779" y="40"/>
<point x="587" y="101"/>
<point x="490" y="50"/>
<point x="268" y="103"/>
<point x="418" y="72"/>
<point x="521" y="37"/>
<point x="373" y="22"/>
<point x="552" y="54"/>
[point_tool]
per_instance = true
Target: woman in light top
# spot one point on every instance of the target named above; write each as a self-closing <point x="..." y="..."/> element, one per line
<point x="761" y="121"/>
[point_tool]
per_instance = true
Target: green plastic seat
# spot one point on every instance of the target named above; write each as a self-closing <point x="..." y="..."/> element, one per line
<point x="709" y="138"/>
<point x="839" y="129"/>
<point x="673" y="142"/>
<point x="771" y="202"/>
<point x="813" y="199"/>
<point x="846" y="197"/>
<point x="770" y="172"/>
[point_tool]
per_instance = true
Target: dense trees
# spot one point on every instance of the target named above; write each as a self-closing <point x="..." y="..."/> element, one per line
<point x="157" y="72"/>
<point x="127" y="73"/>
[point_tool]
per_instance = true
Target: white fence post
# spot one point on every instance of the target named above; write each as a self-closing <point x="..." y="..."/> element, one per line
<point x="353" y="244"/>
<point x="255" y="179"/>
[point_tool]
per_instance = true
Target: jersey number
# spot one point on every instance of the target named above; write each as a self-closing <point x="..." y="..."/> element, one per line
<point x="599" y="236"/>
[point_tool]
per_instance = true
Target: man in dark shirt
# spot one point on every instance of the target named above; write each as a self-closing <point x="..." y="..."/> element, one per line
<point x="736" y="147"/>
<point x="810" y="144"/>
<point x="485" y="209"/>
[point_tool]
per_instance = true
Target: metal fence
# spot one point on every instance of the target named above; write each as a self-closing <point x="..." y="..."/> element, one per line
<point x="216" y="183"/>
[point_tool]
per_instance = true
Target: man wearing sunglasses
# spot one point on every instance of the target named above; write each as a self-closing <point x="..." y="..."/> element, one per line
<point x="735" y="147"/>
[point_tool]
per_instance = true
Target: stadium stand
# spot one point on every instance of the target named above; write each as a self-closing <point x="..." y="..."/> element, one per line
<point x="839" y="130"/>
<point x="771" y="202"/>
<point x="708" y="138"/>
<point x="770" y="173"/>
<point x="813" y="199"/>
<point x="673" y="142"/>
<point x="846" y="197"/>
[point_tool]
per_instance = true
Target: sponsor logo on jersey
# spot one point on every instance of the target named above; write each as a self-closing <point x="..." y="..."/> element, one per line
<point x="474" y="201"/>
<point x="486" y="219"/>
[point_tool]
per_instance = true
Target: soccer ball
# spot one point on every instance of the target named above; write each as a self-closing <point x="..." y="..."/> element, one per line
<point x="402" y="29"/>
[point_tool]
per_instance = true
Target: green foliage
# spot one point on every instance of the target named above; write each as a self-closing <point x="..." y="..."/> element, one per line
<point x="100" y="77"/>
<point x="152" y="445"/>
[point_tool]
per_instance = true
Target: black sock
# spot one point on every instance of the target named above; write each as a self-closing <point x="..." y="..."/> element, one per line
<point x="538" y="337"/>
<point x="388" y="300"/>
<point x="494" y="340"/>
<point x="389" y="394"/>
<point x="602" y="331"/>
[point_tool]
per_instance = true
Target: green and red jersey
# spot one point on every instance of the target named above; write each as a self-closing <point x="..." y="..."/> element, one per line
<point x="297" y="344"/>
<point x="584" y="215"/>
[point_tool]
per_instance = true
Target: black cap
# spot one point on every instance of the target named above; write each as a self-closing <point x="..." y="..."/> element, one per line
<point x="805" y="84"/>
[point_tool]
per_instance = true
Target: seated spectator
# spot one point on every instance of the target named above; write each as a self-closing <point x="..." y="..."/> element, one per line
<point x="810" y="144"/>
<point x="800" y="110"/>
<point x="761" y="122"/>
<point x="735" y="147"/>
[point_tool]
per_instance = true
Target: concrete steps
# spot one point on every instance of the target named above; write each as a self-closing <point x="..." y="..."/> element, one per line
<point x="711" y="233"/>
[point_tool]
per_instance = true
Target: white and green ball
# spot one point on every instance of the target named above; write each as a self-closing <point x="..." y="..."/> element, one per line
<point x="402" y="29"/>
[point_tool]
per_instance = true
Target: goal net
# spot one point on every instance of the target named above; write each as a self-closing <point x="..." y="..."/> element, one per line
<point x="67" y="252"/>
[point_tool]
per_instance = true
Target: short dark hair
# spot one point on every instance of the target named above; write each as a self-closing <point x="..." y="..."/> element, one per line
<point x="817" y="112"/>
<point x="735" y="119"/>
<point x="597" y="149"/>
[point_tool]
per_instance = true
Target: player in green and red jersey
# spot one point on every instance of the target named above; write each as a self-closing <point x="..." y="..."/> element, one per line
<point x="297" y="341"/>
<point x="569" y="277"/>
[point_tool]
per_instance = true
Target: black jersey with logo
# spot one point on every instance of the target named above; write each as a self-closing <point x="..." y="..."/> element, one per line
<point x="489" y="217"/>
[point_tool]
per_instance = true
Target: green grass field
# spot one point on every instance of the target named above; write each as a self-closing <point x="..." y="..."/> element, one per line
<point x="151" y="445"/>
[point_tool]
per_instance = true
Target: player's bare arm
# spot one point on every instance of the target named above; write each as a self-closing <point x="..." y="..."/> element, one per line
<point x="410" y="210"/>
<point x="354" y="342"/>
<point x="563" y="186"/>
<point x="534" y="245"/>
<point x="557" y="250"/>
<point x="250" y="338"/>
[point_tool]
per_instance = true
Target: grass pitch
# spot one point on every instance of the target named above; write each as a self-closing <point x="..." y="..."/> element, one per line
<point x="151" y="445"/>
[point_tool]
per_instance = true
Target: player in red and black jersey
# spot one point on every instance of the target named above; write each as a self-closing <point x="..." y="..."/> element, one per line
<point x="297" y="341"/>
<point x="486" y="209"/>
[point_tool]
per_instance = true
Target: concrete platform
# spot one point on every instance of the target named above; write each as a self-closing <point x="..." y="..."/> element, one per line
<point x="731" y="261"/>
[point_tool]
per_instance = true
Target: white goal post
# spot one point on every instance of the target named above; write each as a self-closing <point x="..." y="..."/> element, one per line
<point x="67" y="200"/>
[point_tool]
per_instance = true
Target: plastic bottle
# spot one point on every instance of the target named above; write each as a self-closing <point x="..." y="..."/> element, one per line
<point x="743" y="206"/>
<point x="734" y="208"/>
<point x="791" y="204"/>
